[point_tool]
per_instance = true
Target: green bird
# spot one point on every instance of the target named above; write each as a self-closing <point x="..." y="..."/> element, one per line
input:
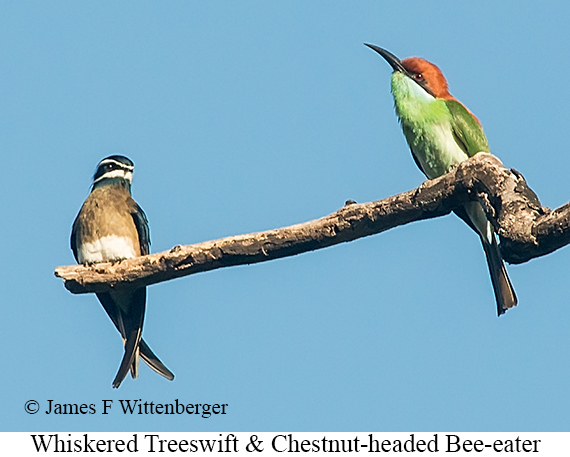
<point x="441" y="133"/>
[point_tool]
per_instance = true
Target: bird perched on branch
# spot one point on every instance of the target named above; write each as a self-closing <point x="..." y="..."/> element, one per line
<point x="441" y="133"/>
<point x="111" y="227"/>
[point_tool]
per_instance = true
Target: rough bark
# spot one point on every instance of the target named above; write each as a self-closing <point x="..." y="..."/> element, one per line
<point x="526" y="229"/>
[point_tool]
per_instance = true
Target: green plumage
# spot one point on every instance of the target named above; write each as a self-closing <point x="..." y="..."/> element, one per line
<point x="468" y="131"/>
<point x="442" y="133"/>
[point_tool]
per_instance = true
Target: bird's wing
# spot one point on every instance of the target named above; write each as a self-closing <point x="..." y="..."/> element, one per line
<point x="112" y="311"/>
<point x="141" y="223"/>
<point x="467" y="129"/>
<point x="418" y="163"/>
<point x="74" y="235"/>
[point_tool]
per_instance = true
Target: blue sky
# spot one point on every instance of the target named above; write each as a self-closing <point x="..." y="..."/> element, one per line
<point x="248" y="116"/>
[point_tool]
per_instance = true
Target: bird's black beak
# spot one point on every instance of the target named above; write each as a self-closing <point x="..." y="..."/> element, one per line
<point x="394" y="62"/>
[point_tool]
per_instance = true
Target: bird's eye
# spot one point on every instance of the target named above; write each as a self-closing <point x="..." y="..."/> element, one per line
<point x="419" y="77"/>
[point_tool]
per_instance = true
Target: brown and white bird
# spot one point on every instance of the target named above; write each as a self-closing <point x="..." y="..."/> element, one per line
<point x="111" y="227"/>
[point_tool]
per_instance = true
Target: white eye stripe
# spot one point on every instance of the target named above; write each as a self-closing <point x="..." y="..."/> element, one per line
<point x="116" y="162"/>
<point x="126" y="175"/>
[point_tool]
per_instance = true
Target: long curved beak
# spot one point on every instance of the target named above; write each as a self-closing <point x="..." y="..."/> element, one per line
<point x="394" y="62"/>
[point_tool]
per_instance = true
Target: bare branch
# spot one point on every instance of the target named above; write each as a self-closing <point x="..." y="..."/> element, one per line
<point x="527" y="230"/>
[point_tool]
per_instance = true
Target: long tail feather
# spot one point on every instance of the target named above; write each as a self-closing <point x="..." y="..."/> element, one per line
<point x="474" y="215"/>
<point x="153" y="361"/>
<point x="131" y="346"/>
<point x="144" y="350"/>
<point x="504" y="292"/>
<point x="132" y="314"/>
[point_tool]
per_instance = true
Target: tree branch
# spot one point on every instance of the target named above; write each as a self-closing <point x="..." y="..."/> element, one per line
<point x="526" y="229"/>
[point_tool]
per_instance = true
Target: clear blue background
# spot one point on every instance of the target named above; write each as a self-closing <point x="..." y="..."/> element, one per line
<point x="252" y="115"/>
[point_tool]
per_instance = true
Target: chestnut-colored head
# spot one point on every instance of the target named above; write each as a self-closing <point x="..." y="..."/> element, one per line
<point x="427" y="75"/>
<point x="423" y="72"/>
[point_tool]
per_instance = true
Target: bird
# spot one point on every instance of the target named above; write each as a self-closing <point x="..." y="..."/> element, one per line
<point x="111" y="227"/>
<point x="441" y="132"/>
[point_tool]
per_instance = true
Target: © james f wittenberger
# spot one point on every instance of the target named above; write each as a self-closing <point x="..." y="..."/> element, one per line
<point x="205" y="410"/>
